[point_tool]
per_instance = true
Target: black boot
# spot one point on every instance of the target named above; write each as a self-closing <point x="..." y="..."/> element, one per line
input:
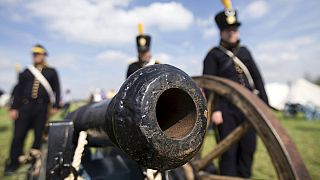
<point x="10" y="168"/>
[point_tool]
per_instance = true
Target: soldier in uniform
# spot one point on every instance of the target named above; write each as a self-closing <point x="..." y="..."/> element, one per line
<point x="144" y="54"/>
<point x="232" y="61"/>
<point x="29" y="109"/>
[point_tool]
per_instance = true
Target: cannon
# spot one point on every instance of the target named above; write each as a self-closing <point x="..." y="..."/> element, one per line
<point x="158" y="119"/>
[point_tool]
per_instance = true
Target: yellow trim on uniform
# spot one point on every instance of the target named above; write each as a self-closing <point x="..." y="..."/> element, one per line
<point x="17" y="67"/>
<point x="140" y="28"/>
<point x="36" y="85"/>
<point x="38" y="50"/>
<point x="227" y="4"/>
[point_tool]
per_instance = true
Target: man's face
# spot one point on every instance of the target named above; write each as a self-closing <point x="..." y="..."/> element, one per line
<point x="145" y="56"/>
<point x="230" y="35"/>
<point x="38" y="58"/>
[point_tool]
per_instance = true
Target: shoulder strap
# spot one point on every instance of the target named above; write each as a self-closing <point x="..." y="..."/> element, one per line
<point x="237" y="61"/>
<point x="36" y="73"/>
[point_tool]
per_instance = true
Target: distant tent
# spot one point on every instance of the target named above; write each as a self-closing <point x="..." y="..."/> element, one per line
<point x="4" y="99"/>
<point x="301" y="92"/>
<point x="277" y="94"/>
<point x="304" y="92"/>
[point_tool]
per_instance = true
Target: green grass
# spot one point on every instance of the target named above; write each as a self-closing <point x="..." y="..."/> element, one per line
<point x="6" y="129"/>
<point x="305" y="135"/>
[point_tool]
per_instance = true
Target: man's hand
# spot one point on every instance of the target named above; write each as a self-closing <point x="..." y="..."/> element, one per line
<point x="14" y="113"/>
<point x="217" y="117"/>
<point x="53" y="111"/>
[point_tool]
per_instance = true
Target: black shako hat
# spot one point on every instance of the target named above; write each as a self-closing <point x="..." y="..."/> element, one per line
<point x="143" y="43"/>
<point x="226" y="19"/>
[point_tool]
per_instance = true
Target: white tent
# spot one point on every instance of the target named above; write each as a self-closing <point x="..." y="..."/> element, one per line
<point x="4" y="99"/>
<point x="277" y="94"/>
<point x="304" y="92"/>
<point x="301" y="91"/>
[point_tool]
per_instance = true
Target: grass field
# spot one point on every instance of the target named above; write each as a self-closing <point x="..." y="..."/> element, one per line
<point x="305" y="134"/>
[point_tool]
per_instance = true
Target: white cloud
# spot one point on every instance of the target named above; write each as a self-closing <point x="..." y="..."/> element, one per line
<point x="210" y="32"/>
<point x="107" y="22"/>
<point x="163" y="58"/>
<point x="285" y="45"/>
<point x="8" y="75"/>
<point x="284" y="50"/>
<point x="119" y="56"/>
<point x="165" y="16"/>
<point x="208" y="25"/>
<point x="256" y="9"/>
<point x="186" y="45"/>
<point x="288" y="59"/>
<point x="113" y="56"/>
<point x="204" y="22"/>
<point x="190" y="63"/>
<point x="10" y="2"/>
<point x="68" y="61"/>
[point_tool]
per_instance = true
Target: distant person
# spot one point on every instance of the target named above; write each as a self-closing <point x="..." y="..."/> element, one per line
<point x="38" y="86"/>
<point x="66" y="102"/>
<point x="111" y="93"/>
<point x="1" y="93"/>
<point x="97" y="95"/>
<point x="91" y="98"/>
<point x="232" y="61"/>
<point x="144" y="55"/>
<point x="310" y="111"/>
<point x="103" y="94"/>
<point x="5" y="99"/>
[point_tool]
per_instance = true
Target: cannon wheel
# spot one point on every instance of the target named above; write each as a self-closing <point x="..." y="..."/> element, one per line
<point x="282" y="151"/>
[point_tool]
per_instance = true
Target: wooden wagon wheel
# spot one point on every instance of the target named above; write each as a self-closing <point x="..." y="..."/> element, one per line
<point x="283" y="153"/>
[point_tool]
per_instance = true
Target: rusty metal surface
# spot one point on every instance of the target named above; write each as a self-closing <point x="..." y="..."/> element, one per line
<point x="283" y="152"/>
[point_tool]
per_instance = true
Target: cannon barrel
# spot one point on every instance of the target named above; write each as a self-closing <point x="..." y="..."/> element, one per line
<point x="158" y="117"/>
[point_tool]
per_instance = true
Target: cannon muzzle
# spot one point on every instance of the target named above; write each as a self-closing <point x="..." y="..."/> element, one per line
<point x="158" y="117"/>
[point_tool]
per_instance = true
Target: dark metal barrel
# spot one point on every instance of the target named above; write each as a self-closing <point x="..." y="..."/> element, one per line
<point x="158" y="117"/>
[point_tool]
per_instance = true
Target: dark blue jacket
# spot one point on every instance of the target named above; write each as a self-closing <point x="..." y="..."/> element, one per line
<point x="217" y="63"/>
<point x="23" y="90"/>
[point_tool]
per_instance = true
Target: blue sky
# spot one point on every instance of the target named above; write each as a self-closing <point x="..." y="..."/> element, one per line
<point x="91" y="42"/>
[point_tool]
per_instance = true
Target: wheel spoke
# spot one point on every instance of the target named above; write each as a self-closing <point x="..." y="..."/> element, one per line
<point x="210" y="106"/>
<point x="223" y="146"/>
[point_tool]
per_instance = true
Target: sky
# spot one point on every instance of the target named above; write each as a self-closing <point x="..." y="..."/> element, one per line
<point x="92" y="42"/>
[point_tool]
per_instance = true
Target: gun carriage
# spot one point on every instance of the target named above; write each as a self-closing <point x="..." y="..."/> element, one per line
<point x="158" y="120"/>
